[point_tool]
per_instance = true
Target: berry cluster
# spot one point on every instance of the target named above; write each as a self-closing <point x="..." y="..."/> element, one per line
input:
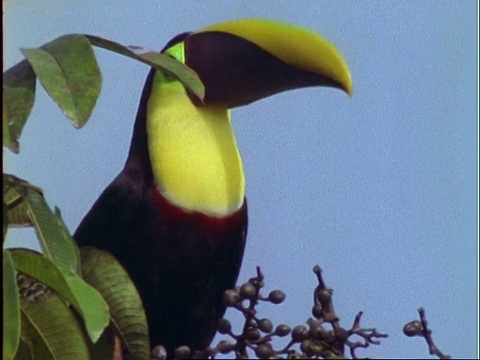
<point x="323" y="337"/>
<point x="312" y="341"/>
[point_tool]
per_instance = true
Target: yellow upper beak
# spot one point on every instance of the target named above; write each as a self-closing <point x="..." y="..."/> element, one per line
<point x="294" y="45"/>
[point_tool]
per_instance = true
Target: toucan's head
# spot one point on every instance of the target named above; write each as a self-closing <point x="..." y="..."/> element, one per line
<point x="243" y="61"/>
<point x="193" y="154"/>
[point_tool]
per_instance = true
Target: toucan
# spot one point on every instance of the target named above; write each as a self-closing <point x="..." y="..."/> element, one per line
<point x="176" y="215"/>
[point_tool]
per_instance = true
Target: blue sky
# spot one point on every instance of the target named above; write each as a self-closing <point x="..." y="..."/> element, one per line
<point x="380" y="190"/>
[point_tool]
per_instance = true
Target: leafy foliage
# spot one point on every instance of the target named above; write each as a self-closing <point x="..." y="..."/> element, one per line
<point x="43" y="319"/>
<point x="101" y="270"/>
<point x="11" y="308"/>
<point x="66" y="67"/>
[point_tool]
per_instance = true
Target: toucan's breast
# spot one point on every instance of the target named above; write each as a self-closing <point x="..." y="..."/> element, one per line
<point x="196" y="257"/>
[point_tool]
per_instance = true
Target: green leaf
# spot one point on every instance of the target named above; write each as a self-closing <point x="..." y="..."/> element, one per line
<point x="61" y="223"/>
<point x="68" y="70"/>
<point x="11" y="308"/>
<point x="32" y="343"/>
<point x="15" y="208"/>
<point x="56" y="243"/>
<point x="84" y="298"/>
<point x="184" y="74"/>
<point x="51" y="330"/>
<point x="104" y="272"/>
<point x="18" y="98"/>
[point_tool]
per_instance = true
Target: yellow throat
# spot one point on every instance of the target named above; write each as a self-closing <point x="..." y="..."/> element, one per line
<point x="194" y="155"/>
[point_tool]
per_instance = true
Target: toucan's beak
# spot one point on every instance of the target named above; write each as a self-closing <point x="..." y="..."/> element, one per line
<point x="243" y="61"/>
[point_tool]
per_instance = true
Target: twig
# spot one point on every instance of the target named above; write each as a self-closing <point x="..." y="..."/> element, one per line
<point x="427" y="335"/>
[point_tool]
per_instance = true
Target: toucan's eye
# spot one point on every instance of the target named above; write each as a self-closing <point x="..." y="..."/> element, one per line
<point x="168" y="76"/>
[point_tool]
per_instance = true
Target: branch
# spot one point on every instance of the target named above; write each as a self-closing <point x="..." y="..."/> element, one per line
<point x="420" y="328"/>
